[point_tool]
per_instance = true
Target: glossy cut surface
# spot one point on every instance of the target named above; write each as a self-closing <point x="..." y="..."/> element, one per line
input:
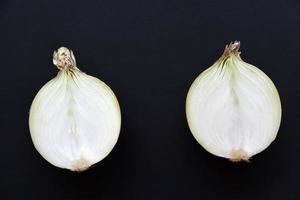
<point x="74" y="120"/>
<point x="233" y="109"/>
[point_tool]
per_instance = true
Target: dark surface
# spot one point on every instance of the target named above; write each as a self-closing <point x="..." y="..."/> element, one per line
<point x="148" y="52"/>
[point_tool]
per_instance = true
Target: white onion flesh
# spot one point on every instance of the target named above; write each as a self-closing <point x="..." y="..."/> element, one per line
<point x="75" y="118"/>
<point x="233" y="108"/>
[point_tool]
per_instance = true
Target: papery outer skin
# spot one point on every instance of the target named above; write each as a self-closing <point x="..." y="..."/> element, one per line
<point x="75" y="120"/>
<point x="233" y="109"/>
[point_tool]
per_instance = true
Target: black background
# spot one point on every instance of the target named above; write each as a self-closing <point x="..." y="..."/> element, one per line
<point x="148" y="52"/>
